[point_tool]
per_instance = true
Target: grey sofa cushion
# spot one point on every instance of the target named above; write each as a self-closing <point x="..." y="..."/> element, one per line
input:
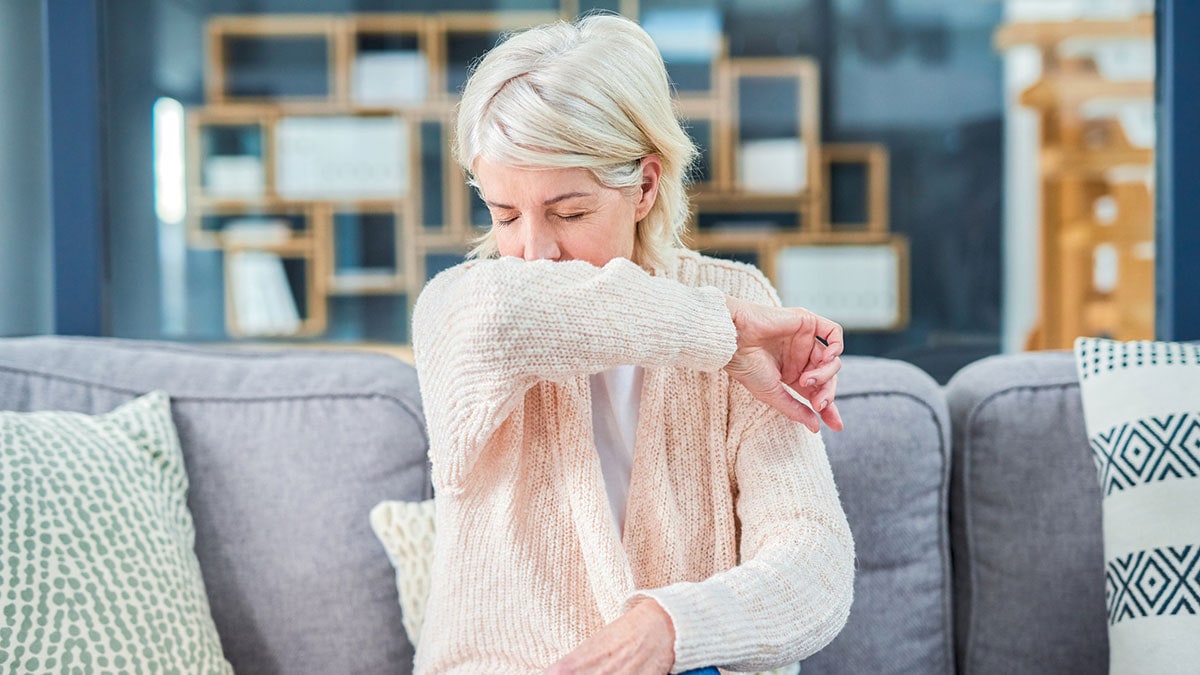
<point x="892" y="469"/>
<point x="1025" y="516"/>
<point x="286" y="453"/>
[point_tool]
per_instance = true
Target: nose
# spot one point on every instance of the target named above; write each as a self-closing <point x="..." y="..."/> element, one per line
<point x="539" y="241"/>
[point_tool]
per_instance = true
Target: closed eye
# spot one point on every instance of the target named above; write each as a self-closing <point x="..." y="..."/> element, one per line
<point x="504" y="222"/>
<point x="572" y="216"/>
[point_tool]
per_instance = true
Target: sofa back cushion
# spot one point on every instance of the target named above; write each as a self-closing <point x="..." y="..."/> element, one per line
<point x="286" y="453"/>
<point x="1025" y="516"/>
<point x="892" y="466"/>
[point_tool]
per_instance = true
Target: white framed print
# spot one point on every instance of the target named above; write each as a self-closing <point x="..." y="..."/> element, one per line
<point x="863" y="287"/>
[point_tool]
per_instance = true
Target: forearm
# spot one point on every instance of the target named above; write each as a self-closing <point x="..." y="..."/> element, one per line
<point x="765" y="613"/>
<point x="792" y="591"/>
<point x="555" y="320"/>
<point x="485" y="332"/>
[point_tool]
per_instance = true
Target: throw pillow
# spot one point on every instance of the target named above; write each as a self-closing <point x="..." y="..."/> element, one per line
<point x="406" y="531"/>
<point x="97" y="569"/>
<point x="1141" y="405"/>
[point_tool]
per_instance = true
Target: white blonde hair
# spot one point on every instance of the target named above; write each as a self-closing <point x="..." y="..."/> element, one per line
<point x="590" y="94"/>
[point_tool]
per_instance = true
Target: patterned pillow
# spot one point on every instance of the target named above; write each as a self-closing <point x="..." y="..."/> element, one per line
<point x="406" y="531"/>
<point x="1141" y="404"/>
<point x="97" y="571"/>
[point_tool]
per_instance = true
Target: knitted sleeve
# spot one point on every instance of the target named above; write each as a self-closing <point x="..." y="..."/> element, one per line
<point x="484" y="332"/>
<point x="791" y="594"/>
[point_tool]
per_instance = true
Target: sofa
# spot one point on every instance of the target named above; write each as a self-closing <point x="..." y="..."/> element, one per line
<point x="975" y="506"/>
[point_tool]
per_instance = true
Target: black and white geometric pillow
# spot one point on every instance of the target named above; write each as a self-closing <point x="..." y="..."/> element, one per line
<point x="1141" y="404"/>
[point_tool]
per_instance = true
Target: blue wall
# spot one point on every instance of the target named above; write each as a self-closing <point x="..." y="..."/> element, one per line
<point x="1178" y="156"/>
<point x="26" y="286"/>
<point x="72" y="53"/>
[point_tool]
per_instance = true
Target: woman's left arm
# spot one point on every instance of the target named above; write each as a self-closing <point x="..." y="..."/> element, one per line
<point x="791" y="594"/>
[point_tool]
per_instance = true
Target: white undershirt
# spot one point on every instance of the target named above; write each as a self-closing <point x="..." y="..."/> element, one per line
<point x="616" y="394"/>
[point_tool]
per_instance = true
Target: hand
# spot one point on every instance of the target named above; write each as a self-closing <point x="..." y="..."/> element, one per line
<point x="641" y="642"/>
<point x="779" y="346"/>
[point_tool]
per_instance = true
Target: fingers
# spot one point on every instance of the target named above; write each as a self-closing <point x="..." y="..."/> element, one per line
<point x="781" y="399"/>
<point x="831" y="333"/>
<point x="820" y="376"/>
<point x="822" y="396"/>
<point x="822" y="400"/>
<point x="832" y="418"/>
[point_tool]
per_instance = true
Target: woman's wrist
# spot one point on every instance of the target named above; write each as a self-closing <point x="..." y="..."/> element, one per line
<point x="656" y="622"/>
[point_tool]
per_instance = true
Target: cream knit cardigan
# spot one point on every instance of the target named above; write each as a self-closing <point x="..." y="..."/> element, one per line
<point x="733" y="525"/>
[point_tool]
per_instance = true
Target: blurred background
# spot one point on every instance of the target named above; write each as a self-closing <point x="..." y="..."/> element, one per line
<point x="948" y="179"/>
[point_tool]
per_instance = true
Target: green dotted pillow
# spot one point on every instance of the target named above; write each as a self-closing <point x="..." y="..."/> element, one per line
<point x="97" y="568"/>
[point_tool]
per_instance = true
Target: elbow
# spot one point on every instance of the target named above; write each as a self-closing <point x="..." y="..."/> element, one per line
<point x="827" y="610"/>
<point x="837" y="597"/>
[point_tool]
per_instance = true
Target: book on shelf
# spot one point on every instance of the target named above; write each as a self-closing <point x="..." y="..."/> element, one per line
<point x="233" y="175"/>
<point x="393" y="78"/>
<point x="778" y="165"/>
<point x="263" y="303"/>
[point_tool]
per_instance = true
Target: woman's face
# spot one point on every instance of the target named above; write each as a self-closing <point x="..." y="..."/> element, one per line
<point x="564" y="214"/>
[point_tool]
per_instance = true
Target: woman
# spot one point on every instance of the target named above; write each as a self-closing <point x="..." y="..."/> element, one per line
<point x="622" y="485"/>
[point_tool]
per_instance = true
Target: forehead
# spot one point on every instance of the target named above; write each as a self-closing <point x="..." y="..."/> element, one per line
<point x="503" y="180"/>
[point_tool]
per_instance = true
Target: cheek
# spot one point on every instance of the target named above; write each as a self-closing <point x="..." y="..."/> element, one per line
<point x="600" y="244"/>
<point x="503" y="242"/>
<point x="506" y="243"/>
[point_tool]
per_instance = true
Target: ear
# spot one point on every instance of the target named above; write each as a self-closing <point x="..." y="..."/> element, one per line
<point x="652" y="169"/>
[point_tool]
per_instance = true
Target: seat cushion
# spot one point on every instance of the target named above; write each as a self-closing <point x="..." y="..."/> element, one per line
<point x="892" y="467"/>
<point x="1025" y="517"/>
<point x="286" y="452"/>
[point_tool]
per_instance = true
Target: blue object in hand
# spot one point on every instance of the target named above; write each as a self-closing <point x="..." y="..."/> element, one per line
<point x="702" y="671"/>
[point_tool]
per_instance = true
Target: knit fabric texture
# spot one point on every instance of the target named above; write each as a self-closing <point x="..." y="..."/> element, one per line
<point x="733" y="523"/>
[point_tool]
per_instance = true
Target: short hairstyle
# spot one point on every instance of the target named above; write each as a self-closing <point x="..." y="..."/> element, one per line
<point x="590" y="94"/>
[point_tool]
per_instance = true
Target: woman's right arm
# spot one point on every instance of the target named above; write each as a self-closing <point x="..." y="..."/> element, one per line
<point x="484" y="332"/>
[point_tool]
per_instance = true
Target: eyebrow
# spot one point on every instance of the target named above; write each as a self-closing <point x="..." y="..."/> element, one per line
<point x="548" y="202"/>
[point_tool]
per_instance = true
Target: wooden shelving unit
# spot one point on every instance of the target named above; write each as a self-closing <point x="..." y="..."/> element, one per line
<point x="434" y="214"/>
<point x="1097" y="228"/>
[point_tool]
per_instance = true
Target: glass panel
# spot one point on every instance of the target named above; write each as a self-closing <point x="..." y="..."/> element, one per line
<point x="480" y="216"/>
<point x="767" y="108"/>
<point x="440" y="262"/>
<point x="461" y="51"/>
<point x="849" y="190"/>
<point x="365" y="243"/>
<point x="743" y="221"/>
<point x="432" y="176"/>
<point x="701" y="132"/>
<point x="262" y="67"/>
<point x="369" y="318"/>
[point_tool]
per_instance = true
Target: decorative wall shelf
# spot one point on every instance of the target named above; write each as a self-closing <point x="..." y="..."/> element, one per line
<point x="387" y="83"/>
